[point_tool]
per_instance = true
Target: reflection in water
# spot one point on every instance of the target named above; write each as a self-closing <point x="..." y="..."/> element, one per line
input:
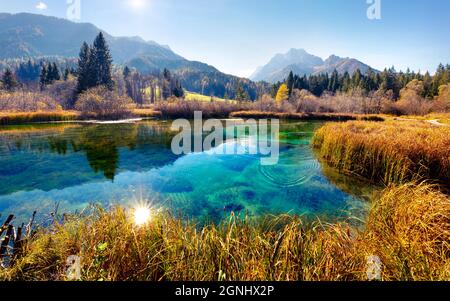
<point x="110" y="164"/>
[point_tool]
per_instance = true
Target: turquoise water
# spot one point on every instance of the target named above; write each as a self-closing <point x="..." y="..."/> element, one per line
<point x="70" y="167"/>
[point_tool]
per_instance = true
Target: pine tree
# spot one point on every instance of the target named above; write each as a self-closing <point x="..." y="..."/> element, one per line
<point x="241" y="94"/>
<point x="66" y="74"/>
<point x="9" y="81"/>
<point x="427" y="85"/>
<point x="55" y="75"/>
<point x="334" y="81"/>
<point x="83" y="71"/>
<point x="290" y="82"/>
<point x="166" y="87"/>
<point x="43" y="77"/>
<point x="101" y="63"/>
<point x="28" y="72"/>
<point x="178" y="90"/>
<point x="126" y="72"/>
<point x="356" y="79"/>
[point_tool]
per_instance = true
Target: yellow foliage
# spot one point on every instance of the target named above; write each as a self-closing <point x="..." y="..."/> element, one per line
<point x="441" y="102"/>
<point x="283" y="94"/>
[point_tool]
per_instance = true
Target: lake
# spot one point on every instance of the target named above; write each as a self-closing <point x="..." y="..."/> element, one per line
<point x="70" y="166"/>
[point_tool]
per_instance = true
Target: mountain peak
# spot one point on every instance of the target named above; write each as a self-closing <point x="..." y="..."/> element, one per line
<point x="297" y="60"/>
<point x="300" y="62"/>
<point x="332" y="59"/>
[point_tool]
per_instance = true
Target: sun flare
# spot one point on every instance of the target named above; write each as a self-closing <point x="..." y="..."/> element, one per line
<point x="137" y="4"/>
<point x="142" y="215"/>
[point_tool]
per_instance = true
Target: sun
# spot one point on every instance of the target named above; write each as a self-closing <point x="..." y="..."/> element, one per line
<point x="137" y="4"/>
<point x="142" y="215"/>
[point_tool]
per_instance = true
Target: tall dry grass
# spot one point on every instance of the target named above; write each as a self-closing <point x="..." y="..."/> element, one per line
<point x="389" y="152"/>
<point x="186" y="109"/>
<point x="305" y="116"/>
<point x="13" y="118"/>
<point x="408" y="229"/>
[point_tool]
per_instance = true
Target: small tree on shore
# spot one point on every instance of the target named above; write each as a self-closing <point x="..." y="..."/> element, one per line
<point x="282" y="94"/>
<point x="9" y="81"/>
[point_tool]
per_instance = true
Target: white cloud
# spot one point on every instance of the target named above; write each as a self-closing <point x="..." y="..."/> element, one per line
<point x="41" y="6"/>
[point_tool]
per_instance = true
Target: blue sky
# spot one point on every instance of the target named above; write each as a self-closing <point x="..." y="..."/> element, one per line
<point x="237" y="36"/>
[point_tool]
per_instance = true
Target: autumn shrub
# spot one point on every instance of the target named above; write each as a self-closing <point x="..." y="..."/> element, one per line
<point x="411" y="101"/>
<point x="22" y="101"/>
<point x="442" y="102"/>
<point x="102" y="103"/>
<point x="63" y="92"/>
<point x="354" y="101"/>
<point x="185" y="109"/>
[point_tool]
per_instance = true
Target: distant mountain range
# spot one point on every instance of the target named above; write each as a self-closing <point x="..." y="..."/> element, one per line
<point x="27" y="35"/>
<point x="301" y="62"/>
<point x="30" y="35"/>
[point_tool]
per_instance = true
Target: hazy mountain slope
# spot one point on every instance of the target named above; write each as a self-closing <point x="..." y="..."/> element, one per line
<point x="295" y="59"/>
<point x="30" y="35"/>
<point x="27" y="35"/>
<point x="341" y="65"/>
<point x="300" y="62"/>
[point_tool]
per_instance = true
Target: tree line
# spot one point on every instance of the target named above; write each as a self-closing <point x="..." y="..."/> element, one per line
<point x="93" y="68"/>
<point x="388" y="80"/>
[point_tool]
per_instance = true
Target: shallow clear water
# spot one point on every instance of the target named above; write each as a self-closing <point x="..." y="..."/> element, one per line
<point x="77" y="165"/>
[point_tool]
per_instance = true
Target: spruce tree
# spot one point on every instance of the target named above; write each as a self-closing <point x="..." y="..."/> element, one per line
<point x="241" y="94"/>
<point x="334" y="81"/>
<point x="126" y="72"/>
<point x="167" y="84"/>
<point x="290" y="82"/>
<point x="101" y="63"/>
<point x="83" y="71"/>
<point x="43" y="77"/>
<point x="55" y="75"/>
<point x="66" y="74"/>
<point x="9" y="81"/>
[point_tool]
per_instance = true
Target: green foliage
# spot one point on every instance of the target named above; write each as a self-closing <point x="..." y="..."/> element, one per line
<point x="241" y="94"/>
<point x="49" y="74"/>
<point x="28" y="72"/>
<point x="8" y="80"/>
<point x="171" y="86"/>
<point x="387" y="81"/>
<point x="95" y="65"/>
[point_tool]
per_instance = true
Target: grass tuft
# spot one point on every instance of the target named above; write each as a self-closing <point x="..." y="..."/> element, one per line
<point x="390" y="152"/>
<point x="408" y="229"/>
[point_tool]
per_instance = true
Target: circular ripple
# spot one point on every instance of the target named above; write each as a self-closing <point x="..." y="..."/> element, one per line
<point x="287" y="174"/>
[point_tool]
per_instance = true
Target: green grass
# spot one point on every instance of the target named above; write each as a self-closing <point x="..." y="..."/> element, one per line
<point x="191" y="96"/>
